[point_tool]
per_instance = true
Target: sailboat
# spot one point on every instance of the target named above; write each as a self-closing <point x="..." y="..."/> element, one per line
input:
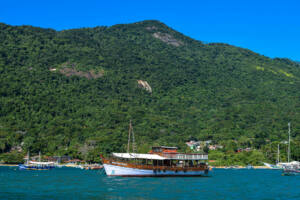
<point x="278" y="165"/>
<point x="33" y="165"/>
<point x="290" y="168"/>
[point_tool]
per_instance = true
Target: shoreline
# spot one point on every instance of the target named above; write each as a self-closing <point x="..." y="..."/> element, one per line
<point x="214" y="167"/>
<point x="9" y="165"/>
<point x="239" y="167"/>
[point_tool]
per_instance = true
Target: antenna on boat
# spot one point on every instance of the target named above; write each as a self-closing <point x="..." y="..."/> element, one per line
<point x="289" y="124"/>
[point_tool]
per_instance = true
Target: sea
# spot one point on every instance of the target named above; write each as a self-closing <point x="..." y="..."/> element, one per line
<point x="72" y="183"/>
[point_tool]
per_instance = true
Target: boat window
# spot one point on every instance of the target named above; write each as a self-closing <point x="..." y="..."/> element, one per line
<point x="156" y="149"/>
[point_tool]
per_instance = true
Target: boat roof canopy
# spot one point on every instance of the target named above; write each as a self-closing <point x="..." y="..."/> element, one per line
<point x="164" y="147"/>
<point x="165" y="156"/>
<point x="41" y="163"/>
<point x="139" y="156"/>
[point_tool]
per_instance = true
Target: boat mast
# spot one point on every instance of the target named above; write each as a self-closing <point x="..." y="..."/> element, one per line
<point x="130" y="132"/>
<point x="289" y="124"/>
<point x="28" y="157"/>
<point x="277" y="155"/>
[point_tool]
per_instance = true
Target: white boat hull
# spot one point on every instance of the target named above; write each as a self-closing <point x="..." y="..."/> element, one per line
<point x="113" y="170"/>
<point x="273" y="166"/>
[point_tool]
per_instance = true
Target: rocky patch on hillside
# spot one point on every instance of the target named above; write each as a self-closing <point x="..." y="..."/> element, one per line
<point x="73" y="72"/>
<point x="145" y="85"/>
<point x="167" y="38"/>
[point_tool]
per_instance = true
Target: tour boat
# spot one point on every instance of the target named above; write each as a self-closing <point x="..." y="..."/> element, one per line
<point x="160" y="161"/>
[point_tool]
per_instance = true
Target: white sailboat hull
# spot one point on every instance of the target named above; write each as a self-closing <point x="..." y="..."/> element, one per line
<point x="113" y="170"/>
<point x="273" y="166"/>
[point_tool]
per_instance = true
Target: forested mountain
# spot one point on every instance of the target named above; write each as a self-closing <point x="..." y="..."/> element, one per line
<point x="74" y="91"/>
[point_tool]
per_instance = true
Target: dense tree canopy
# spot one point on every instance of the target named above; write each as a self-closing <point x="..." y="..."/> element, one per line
<point x="211" y="91"/>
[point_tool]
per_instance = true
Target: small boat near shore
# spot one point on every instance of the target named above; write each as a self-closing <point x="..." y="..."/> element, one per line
<point x="290" y="168"/>
<point x="32" y="165"/>
<point x="93" y="167"/>
<point x="291" y="172"/>
<point x="270" y="166"/>
<point x="36" y="165"/>
<point x="293" y="168"/>
<point x="249" y="167"/>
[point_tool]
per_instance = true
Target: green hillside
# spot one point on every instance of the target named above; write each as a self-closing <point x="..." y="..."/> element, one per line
<point x="73" y="92"/>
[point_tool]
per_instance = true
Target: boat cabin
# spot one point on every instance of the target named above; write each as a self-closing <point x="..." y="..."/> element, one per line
<point x="160" y="156"/>
<point x="163" y="149"/>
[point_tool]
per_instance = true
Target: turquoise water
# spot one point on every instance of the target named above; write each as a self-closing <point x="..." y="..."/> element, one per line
<point x="69" y="183"/>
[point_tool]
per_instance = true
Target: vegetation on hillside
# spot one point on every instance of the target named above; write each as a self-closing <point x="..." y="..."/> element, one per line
<point x="214" y="91"/>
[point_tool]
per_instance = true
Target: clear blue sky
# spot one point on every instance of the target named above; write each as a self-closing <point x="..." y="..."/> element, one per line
<point x="271" y="28"/>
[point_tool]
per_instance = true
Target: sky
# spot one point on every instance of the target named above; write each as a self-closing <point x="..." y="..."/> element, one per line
<point x="270" y="28"/>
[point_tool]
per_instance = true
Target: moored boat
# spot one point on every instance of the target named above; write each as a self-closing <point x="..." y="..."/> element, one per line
<point x="292" y="168"/>
<point x="33" y="165"/>
<point x="161" y="161"/>
<point x="93" y="167"/>
<point x="270" y="166"/>
<point x="249" y="167"/>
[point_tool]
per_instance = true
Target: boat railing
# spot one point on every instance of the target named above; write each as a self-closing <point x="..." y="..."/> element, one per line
<point x="181" y="156"/>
